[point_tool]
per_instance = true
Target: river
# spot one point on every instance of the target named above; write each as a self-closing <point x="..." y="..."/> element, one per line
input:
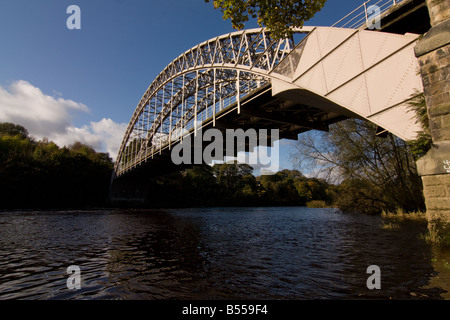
<point x="216" y="253"/>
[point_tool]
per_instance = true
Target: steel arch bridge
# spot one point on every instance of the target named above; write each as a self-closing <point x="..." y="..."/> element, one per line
<point x="318" y="76"/>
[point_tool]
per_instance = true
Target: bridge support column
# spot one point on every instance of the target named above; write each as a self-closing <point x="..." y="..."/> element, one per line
<point x="433" y="53"/>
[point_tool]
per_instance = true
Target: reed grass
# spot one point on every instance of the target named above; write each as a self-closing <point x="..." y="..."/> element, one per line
<point x="317" y="204"/>
<point x="400" y="214"/>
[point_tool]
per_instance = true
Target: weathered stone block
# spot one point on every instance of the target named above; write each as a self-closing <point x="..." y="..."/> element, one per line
<point x="445" y="120"/>
<point x="439" y="98"/>
<point x="435" y="123"/>
<point x="440" y="75"/>
<point x="437" y="87"/>
<point x="438" y="10"/>
<point x="443" y="63"/>
<point x="440" y="109"/>
<point x="428" y="69"/>
<point x="437" y="37"/>
<point x="438" y="215"/>
<point x="433" y="166"/>
<point x="435" y="191"/>
<point x="440" y="204"/>
<point x="440" y="135"/>
<point x="447" y="189"/>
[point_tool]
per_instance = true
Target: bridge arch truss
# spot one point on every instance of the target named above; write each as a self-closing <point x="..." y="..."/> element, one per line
<point x="339" y="71"/>
<point x="198" y="86"/>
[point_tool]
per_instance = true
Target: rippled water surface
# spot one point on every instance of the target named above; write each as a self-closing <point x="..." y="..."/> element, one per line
<point x="218" y="253"/>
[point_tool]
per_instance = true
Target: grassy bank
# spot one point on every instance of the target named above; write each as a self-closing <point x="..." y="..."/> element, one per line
<point x="402" y="215"/>
<point x="393" y="220"/>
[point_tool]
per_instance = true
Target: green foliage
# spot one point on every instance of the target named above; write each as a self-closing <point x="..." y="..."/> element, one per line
<point x="277" y="15"/>
<point x="233" y="184"/>
<point x="311" y="189"/>
<point x="11" y="129"/>
<point x="375" y="173"/>
<point x="43" y="175"/>
<point x="40" y="174"/>
<point x="316" y="204"/>
<point x="200" y="185"/>
<point x="230" y="175"/>
<point x="14" y="150"/>
<point x="423" y="143"/>
<point x="360" y="196"/>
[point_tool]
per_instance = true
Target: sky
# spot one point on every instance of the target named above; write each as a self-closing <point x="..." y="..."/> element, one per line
<point x="84" y="84"/>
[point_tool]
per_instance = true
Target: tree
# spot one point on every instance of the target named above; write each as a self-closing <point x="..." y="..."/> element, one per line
<point x="235" y="183"/>
<point x="16" y="168"/>
<point x="199" y="185"/>
<point x="378" y="170"/>
<point x="11" y="129"/>
<point x="230" y="175"/>
<point x="281" y="188"/>
<point x="359" y="195"/>
<point x="312" y="189"/>
<point x="277" y="15"/>
<point x="41" y="174"/>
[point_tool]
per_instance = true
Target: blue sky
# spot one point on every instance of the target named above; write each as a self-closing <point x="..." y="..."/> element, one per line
<point x="84" y="84"/>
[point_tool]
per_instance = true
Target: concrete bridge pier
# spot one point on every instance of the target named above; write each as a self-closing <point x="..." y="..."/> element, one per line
<point x="433" y="53"/>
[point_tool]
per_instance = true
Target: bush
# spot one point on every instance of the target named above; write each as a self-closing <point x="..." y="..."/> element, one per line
<point x="316" y="204"/>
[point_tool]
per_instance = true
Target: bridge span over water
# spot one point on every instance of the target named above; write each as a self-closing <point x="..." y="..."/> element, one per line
<point x="248" y="79"/>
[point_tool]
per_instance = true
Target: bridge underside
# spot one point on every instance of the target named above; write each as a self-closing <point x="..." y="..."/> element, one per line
<point x="262" y="110"/>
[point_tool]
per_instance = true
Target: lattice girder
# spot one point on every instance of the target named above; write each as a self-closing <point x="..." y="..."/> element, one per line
<point x="334" y="65"/>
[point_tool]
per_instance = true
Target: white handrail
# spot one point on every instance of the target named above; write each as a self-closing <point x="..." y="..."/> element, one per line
<point x="361" y="14"/>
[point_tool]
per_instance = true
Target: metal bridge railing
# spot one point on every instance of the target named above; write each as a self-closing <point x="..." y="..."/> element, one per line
<point x="205" y="116"/>
<point x="361" y="15"/>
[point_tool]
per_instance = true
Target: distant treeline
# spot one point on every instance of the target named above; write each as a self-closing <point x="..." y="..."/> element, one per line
<point x="233" y="184"/>
<point x="377" y="174"/>
<point x="39" y="174"/>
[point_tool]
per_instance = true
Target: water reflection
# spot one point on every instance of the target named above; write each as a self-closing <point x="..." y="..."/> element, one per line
<point x="158" y="262"/>
<point x="219" y="253"/>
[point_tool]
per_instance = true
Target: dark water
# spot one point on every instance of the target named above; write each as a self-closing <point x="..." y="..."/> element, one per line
<point x="219" y="253"/>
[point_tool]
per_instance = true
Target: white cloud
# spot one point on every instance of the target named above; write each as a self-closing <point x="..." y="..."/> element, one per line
<point x="46" y="116"/>
<point x="104" y="135"/>
<point x="41" y="114"/>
